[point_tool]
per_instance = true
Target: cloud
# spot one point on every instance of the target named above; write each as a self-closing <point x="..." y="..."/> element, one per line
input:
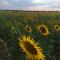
<point x="15" y="4"/>
<point x="30" y="4"/>
<point x="44" y="1"/>
<point x="42" y="8"/>
<point x="46" y="5"/>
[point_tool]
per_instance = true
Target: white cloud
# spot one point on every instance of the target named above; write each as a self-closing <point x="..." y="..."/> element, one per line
<point x="37" y="1"/>
<point x="46" y="5"/>
<point x="31" y="4"/>
<point x="43" y="8"/>
<point x="44" y="1"/>
<point x="17" y="0"/>
<point x="4" y="3"/>
<point x="8" y="2"/>
<point x="53" y="0"/>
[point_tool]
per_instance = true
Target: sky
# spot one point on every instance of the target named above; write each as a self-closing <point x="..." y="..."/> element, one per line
<point x="34" y="5"/>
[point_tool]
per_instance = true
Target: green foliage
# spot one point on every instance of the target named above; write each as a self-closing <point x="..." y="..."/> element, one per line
<point x="12" y="26"/>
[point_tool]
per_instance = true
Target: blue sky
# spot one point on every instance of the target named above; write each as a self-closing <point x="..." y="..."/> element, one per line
<point x="45" y="5"/>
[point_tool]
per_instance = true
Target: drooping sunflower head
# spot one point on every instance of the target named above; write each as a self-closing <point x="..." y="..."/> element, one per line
<point x="43" y="29"/>
<point x="28" y="28"/>
<point x="57" y="27"/>
<point x="32" y="50"/>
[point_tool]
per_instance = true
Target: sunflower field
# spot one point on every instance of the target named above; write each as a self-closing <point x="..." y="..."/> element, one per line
<point x="29" y="35"/>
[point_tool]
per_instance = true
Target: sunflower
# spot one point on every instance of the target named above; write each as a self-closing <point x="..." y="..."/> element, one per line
<point x="57" y="27"/>
<point x="43" y="29"/>
<point x="32" y="50"/>
<point x="28" y="28"/>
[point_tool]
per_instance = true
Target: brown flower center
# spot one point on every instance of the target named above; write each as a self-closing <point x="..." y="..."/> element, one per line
<point x="30" y="48"/>
<point x="28" y="28"/>
<point x="43" y="30"/>
<point x="57" y="27"/>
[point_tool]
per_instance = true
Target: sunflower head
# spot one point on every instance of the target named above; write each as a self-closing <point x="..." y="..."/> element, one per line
<point x="32" y="50"/>
<point x="57" y="27"/>
<point x="43" y="29"/>
<point x="28" y="28"/>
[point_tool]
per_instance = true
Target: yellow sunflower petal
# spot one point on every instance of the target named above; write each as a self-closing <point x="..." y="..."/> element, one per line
<point x="32" y="50"/>
<point x="28" y="28"/>
<point x="43" y="29"/>
<point x="23" y="37"/>
<point x="57" y="27"/>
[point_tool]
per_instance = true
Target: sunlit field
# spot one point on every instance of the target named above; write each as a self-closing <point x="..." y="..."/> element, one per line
<point x="29" y="35"/>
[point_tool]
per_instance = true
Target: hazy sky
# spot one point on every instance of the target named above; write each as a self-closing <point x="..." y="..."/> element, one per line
<point x="30" y="4"/>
